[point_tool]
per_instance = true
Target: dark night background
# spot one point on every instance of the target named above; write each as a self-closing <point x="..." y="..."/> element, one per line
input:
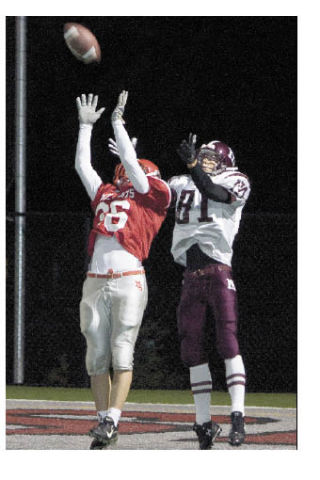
<point x="227" y="78"/>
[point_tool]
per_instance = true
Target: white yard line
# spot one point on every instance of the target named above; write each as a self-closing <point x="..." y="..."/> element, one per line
<point x="136" y="404"/>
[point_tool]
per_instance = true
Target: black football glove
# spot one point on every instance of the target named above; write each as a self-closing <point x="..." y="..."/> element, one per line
<point x="187" y="150"/>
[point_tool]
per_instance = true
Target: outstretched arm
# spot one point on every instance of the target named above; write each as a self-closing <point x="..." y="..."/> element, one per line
<point x="187" y="152"/>
<point x="126" y="149"/>
<point x="87" y="117"/>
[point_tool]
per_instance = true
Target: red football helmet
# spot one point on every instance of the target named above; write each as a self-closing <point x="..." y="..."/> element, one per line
<point x="216" y="152"/>
<point x="120" y="177"/>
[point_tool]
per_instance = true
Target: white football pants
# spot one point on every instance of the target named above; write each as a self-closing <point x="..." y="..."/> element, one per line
<point x="111" y="312"/>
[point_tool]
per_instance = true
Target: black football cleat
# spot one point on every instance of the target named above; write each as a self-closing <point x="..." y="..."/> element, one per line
<point x="207" y="433"/>
<point x="105" y="432"/>
<point x="237" y="433"/>
<point x="97" y="445"/>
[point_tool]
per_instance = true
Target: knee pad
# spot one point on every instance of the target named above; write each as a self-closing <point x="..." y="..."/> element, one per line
<point x="96" y="364"/>
<point x="122" y="357"/>
<point x="228" y="347"/>
<point x="227" y="341"/>
<point x="98" y="353"/>
<point x="191" y="355"/>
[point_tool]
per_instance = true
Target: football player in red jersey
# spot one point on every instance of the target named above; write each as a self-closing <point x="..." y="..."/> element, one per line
<point x="209" y="205"/>
<point x="128" y="214"/>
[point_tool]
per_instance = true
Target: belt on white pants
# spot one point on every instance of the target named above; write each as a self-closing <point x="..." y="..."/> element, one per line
<point x="112" y="274"/>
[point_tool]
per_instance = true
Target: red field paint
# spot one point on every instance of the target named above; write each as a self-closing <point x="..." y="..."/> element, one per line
<point x="79" y="422"/>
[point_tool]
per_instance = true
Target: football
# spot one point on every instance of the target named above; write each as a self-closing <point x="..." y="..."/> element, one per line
<point x="82" y="43"/>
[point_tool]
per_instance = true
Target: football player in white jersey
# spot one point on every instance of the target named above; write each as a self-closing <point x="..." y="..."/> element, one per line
<point x="127" y="215"/>
<point x="208" y="206"/>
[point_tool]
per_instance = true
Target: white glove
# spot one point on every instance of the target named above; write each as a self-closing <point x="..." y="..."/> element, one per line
<point x="118" y="112"/>
<point x="113" y="147"/>
<point x="87" y="109"/>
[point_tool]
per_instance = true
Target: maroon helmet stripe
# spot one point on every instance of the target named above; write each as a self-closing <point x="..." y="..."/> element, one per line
<point x="205" y="390"/>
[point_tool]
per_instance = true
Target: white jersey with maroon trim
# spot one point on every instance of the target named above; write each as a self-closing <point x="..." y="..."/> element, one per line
<point x="213" y="225"/>
<point x="133" y="218"/>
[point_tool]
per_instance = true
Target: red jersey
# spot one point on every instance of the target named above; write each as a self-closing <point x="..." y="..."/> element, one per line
<point x="133" y="218"/>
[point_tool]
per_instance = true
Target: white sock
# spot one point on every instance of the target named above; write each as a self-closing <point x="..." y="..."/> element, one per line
<point x="201" y="386"/>
<point x="236" y="381"/>
<point x="115" y="414"/>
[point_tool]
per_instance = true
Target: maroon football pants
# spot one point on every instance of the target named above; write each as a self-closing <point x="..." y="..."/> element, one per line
<point x="212" y="288"/>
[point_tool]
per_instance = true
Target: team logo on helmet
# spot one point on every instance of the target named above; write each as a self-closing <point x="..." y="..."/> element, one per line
<point x="121" y="179"/>
<point x="215" y="157"/>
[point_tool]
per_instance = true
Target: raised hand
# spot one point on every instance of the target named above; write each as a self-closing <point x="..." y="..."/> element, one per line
<point x="187" y="150"/>
<point x="86" y="106"/>
<point x="118" y="112"/>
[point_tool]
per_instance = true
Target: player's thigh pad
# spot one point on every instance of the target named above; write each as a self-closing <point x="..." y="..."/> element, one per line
<point x="95" y="326"/>
<point x="223" y="299"/>
<point x="127" y="310"/>
<point x="191" y="316"/>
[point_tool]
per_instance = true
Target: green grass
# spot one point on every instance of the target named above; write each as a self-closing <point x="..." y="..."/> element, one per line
<point x="284" y="400"/>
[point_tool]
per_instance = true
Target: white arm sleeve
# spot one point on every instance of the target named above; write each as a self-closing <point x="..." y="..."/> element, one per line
<point x="129" y="160"/>
<point x="87" y="174"/>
